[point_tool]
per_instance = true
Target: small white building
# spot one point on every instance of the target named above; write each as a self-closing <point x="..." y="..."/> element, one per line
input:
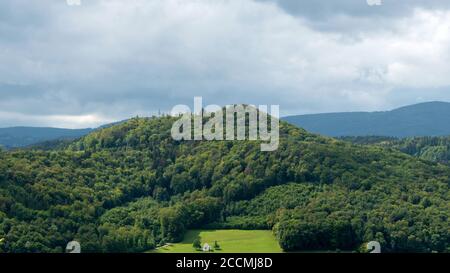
<point x="206" y="248"/>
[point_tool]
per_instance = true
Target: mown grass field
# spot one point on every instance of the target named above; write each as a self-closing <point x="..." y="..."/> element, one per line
<point x="230" y="241"/>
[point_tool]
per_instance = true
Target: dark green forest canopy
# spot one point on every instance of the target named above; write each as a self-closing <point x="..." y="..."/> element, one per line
<point x="436" y="149"/>
<point x="131" y="187"/>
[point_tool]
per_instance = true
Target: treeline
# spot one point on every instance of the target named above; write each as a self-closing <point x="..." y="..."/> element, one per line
<point x="132" y="188"/>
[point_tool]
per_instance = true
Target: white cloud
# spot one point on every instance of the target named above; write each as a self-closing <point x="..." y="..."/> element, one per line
<point x="65" y="121"/>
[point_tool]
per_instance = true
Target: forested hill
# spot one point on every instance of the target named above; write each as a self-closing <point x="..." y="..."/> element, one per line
<point x="425" y="119"/>
<point x="131" y="187"/>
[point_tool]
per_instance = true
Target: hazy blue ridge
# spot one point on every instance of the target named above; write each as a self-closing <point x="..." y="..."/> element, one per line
<point x="425" y="119"/>
<point x="14" y="137"/>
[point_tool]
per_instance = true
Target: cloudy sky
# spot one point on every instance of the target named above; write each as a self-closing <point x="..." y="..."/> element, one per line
<point x="106" y="60"/>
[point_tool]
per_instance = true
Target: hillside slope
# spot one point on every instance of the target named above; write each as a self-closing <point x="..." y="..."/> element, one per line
<point x="131" y="187"/>
<point x="425" y="119"/>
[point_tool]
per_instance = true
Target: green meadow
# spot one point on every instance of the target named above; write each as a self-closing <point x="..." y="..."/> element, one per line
<point x="230" y="241"/>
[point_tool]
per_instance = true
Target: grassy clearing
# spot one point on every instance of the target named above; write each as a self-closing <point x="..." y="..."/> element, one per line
<point x="230" y="241"/>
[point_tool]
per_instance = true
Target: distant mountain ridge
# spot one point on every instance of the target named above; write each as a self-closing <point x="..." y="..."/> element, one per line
<point x="15" y="137"/>
<point x="43" y="137"/>
<point x="424" y="119"/>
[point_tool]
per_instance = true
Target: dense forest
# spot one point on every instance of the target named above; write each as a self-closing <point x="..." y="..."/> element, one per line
<point x="436" y="149"/>
<point x="130" y="188"/>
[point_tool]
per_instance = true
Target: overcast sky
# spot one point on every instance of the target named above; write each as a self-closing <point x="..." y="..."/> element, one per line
<point x="107" y="60"/>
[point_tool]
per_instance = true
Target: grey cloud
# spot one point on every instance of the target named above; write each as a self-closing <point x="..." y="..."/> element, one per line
<point x="319" y="9"/>
<point x="116" y="59"/>
<point x="354" y="16"/>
